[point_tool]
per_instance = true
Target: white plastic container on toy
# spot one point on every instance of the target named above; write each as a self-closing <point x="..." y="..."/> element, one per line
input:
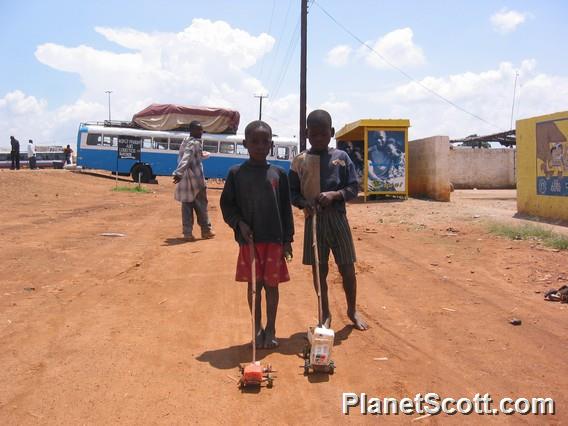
<point x="321" y="342"/>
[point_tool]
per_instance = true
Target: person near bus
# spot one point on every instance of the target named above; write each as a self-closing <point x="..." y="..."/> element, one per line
<point x="32" y="155"/>
<point x="191" y="189"/>
<point x="68" y="152"/>
<point x="15" y="153"/>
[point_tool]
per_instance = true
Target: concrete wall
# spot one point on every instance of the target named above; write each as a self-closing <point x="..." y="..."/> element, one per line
<point x="542" y="169"/>
<point x="482" y="168"/>
<point x="428" y="168"/>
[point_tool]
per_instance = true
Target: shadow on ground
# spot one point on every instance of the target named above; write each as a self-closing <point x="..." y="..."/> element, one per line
<point x="233" y="356"/>
<point x="176" y="241"/>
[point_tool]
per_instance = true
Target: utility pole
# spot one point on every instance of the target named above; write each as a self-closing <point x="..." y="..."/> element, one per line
<point x="303" y="66"/>
<point x="108" y="92"/>
<point x="260" y="107"/>
<point x="514" y="93"/>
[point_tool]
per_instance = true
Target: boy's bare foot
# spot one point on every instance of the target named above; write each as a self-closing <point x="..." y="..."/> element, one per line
<point x="270" y="341"/>
<point x="207" y="234"/>
<point x="358" y="322"/>
<point x="259" y="340"/>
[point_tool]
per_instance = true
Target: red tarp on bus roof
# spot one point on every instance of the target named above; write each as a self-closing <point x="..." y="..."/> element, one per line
<point x="171" y="117"/>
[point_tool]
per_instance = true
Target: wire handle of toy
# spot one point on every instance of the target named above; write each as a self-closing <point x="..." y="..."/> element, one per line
<point x="253" y="297"/>
<point x="317" y="264"/>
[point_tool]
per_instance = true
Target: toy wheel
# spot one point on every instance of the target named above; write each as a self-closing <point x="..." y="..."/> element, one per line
<point x="306" y="370"/>
<point x="331" y="369"/>
<point x="269" y="383"/>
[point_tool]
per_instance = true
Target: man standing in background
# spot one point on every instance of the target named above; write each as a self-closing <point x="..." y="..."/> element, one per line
<point x="191" y="190"/>
<point x="15" y="153"/>
<point x="31" y="155"/>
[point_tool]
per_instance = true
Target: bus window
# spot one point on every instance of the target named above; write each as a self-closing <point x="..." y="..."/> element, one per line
<point x="147" y="143"/>
<point x="94" y="139"/>
<point x="161" y="143"/>
<point x="281" y="153"/>
<point x="211" y="146"/>
<point x="175" y="143"/>
<point x="294" y="152"/>
<point x="107" y="141"/>
<point x="227" y="148"/>
<point x="241" y="150"/>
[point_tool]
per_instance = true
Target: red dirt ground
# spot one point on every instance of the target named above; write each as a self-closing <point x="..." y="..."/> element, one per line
<point x="145" y="329"/>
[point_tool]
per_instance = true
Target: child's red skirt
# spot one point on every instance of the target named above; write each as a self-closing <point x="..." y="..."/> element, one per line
<point x="270" y="264"/>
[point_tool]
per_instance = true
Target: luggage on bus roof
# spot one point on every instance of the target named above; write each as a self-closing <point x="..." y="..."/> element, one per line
<point x="178" y="117"/>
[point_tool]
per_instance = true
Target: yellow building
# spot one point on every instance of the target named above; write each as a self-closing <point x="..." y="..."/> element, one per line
<point x="542" y="166"/>
<point x="379" y="150"/>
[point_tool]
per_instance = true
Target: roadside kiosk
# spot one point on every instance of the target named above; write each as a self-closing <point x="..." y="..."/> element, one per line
<point x="379" y="150"/>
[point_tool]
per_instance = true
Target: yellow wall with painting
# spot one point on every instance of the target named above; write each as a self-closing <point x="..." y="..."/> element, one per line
<point x="542" y="166"/>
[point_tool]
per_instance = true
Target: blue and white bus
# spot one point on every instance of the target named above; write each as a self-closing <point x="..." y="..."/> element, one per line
<point x="97" y="149"/>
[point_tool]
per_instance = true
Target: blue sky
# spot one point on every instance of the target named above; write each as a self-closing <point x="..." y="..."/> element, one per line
<point x="60" y="56"/>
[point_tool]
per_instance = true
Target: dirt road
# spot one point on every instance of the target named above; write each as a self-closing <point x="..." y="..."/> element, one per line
<point x="144" y="329"/>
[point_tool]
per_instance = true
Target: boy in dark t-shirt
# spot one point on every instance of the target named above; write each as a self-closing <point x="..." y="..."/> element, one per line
<point x="322" y="179"/>
<point x="256" y="203"/>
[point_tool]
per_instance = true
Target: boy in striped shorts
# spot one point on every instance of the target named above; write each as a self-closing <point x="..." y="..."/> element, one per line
<point x="322" y="179"/>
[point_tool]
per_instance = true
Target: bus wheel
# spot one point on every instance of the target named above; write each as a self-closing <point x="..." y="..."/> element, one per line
<point x="144" y="171"/>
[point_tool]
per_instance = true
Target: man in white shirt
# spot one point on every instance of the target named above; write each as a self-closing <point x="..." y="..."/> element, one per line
<point x="31" y="154"/>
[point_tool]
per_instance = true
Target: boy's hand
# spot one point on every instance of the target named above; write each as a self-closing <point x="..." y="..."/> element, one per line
<point x="288" y="252"/>
<point x="177" y="179"/>
<point x="310" y="209"/>
<point x="326" y="198"/>
<point x="245" y="231"/>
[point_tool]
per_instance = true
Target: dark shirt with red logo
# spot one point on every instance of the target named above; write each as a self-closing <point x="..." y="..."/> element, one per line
<point x="259" y="195"/>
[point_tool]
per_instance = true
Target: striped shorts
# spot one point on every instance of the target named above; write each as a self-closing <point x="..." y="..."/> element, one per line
<point x="333" y="235"/>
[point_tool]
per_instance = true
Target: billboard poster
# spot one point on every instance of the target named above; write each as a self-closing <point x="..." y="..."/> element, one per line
<point x="386" y="161"/>
<point x="552" y="158"/>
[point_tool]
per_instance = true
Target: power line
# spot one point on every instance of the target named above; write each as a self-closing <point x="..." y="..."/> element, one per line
<point x="287" y="58"/>
<point x="268" y="32"/>
<point x="278" y="41"/>
<point x="408" y="76"/>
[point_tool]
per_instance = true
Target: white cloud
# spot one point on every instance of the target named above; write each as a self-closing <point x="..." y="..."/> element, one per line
<point x="397" y="47"/>
<point x="17" y="103"/>
<point x="506" y="21"/>
<point x="209" y="63"/>
<point x="204" y="64"/>
<point x="487" y="94"/>
<point x="282" y="114"/>
<point x="339" y="55"/>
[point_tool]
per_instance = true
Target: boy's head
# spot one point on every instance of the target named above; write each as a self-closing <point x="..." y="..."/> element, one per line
<point x="258" y="140"/>
<point x="195" y="129"/>
<point x="320" y="129"/>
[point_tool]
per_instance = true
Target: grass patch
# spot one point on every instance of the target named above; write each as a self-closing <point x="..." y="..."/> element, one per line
<point x="530" y="232"/>
<point x="130" y="189"/>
